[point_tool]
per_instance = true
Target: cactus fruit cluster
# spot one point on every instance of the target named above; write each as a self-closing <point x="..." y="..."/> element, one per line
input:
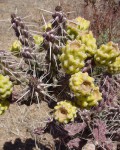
<point x="107" y="54"/>
<point x="85" y="90"/>
<point x="6" y="88"/>
<point x="64" y="67"/>
<point x="65" y="111"/>
<point x="73" y="56"/>
<point x="16" y="47"/>
<point x="4" y="105"/>
<point x="38" y="39"/>
<point x="89" y="41"/>
<point x="75" y="26"/>
<point x="114" y="68"/>
<point x="66" y="46"/>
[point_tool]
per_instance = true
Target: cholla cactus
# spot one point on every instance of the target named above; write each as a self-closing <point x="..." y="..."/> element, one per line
<point x="81" y="84"/>
<point x="114" y="68"/>
<point x="73" y="56"/>
<point x="3" y="106"/>
<point x="21" y="31"/>
<point x="84" y="89"/>
<point x="91" y="100"/>
<point x="83" y="24"/>
<point x="65" y="111"/>
<point x="90" y="42"/>
<point x="107" y="54"/>
<point x="5" y="87"/>
<point x="16" y="47"/>
<point x="77" y="25"/>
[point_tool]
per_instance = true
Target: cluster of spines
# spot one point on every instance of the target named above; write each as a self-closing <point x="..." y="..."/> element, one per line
<point x="22" y="31"/>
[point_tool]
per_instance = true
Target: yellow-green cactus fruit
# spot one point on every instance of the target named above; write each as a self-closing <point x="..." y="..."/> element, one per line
<point x="5" y="87"/>
<point x="48" y="25"/>
<point x="77" y="25"/>
<point x="16" y="47"/>
<point x="90" y="42"/>
<point x="90" y="100"/>
<point x="65" y="111"/>
<point x="73" y="56"/>
<point x="72" y="29"/>
<point x="38" y="39"/>
<point x="107" y="54"/>
<point x="4" y="105"/>
<point x="81" y="84"/>
<point x="114" y="68"/>
<point x="83" y="24"/>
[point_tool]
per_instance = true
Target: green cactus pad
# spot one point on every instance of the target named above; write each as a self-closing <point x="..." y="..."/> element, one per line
<point x="65" y="111"/>
<point x="73" y="56"/>
<point x="4" y="105"/>
<point x="107" y="54"/>
<point x="114" y="68"/>
<point x="81" y="84"/>
<point x="90" y="42"/>
<point x="5" y="87"/>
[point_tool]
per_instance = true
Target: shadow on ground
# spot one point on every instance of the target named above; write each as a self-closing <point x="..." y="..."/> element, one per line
<point x="29" y="144"/>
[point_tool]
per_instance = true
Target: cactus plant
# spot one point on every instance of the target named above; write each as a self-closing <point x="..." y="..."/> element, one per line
<point x="83" y="24"/>
<point x="107" y="54"/>
<point x="3" y="106"/>
<point x="38" y="39"/>
<point x="77" y="25"/>
<point x="90" y="42"/>
<point x="5" y="87"/>
<point x="114" y="68"/>
<point x="84" y="89"/>
<point x="65" y="111"/>
<point x="90" y="100"/>
<point x="73" y="56"/>
<point x="46" y="26"/>
<point x="81" y="84"/>
<point x="16" y="47"/>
